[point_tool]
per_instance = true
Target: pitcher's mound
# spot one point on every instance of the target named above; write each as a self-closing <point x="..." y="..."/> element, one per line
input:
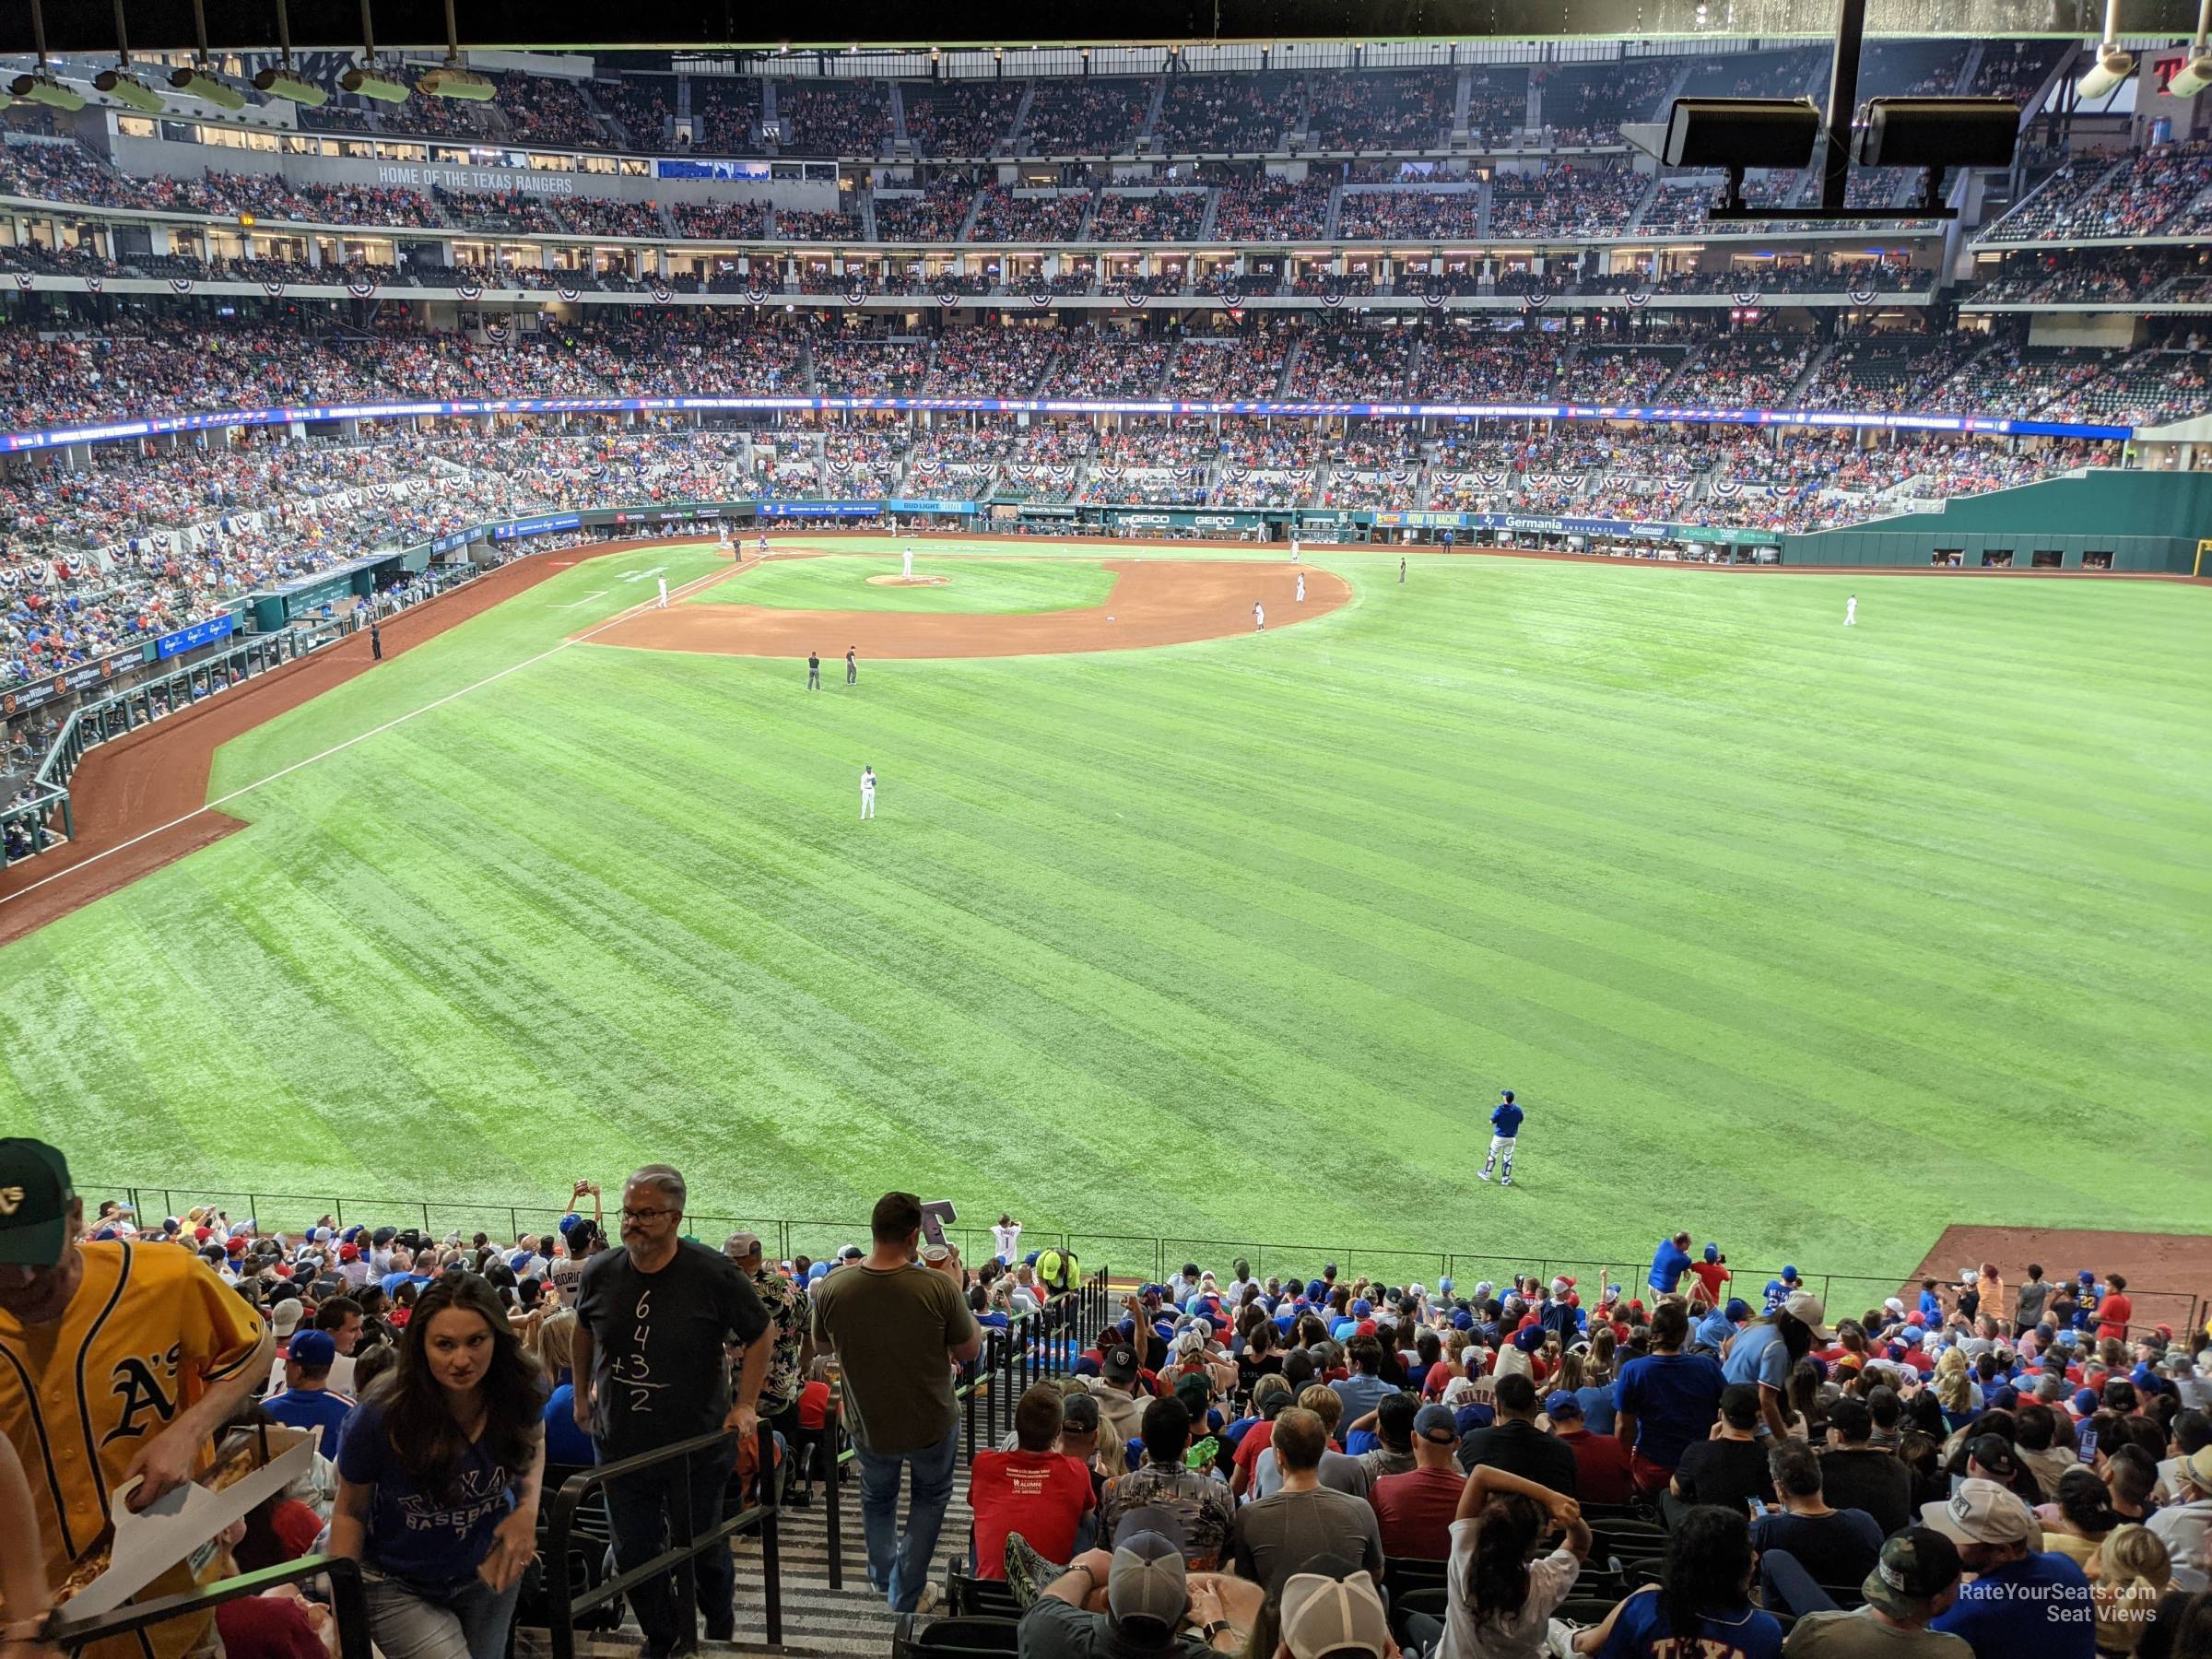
<point x="909" y="580"/>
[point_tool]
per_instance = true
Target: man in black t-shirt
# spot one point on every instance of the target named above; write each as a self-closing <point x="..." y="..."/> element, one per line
<point x="1515" y="1444"/>
<point x="652" y="1321"/>
<point x="1728" y="1468"/>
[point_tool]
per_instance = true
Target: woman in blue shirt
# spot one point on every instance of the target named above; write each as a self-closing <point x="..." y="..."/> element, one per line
<point x="567" y="1446"/>
<point x="1702" y="1603"/>
<point x="438" y="1479"/>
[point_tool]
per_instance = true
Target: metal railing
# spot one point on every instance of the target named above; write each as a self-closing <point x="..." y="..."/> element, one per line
<point x="154" y="698"/>
<point x="1034" y="1346"/>
<point x="565" y="1600"/>
<point x="1139" y="1257"/>
<point x="349" y="1605"/>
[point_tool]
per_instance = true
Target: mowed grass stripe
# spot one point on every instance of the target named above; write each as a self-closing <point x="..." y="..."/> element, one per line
<point x="1153" y="918"/>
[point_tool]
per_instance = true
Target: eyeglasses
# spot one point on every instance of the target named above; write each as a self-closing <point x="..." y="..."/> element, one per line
<point x="647" y="1215"/>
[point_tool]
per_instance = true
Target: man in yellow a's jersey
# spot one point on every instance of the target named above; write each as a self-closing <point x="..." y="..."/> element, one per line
<point x="117" y="1361"/>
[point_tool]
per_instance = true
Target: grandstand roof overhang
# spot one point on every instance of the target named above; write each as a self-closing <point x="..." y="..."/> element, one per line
<point x="163" y="25"/>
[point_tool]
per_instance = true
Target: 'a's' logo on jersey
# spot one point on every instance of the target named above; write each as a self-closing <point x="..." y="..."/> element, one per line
<point x="134" y="1383"/>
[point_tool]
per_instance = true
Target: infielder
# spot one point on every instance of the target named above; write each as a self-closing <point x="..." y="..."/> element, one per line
<point x="909" y="571"/>
<point x="1294" y="550"/>
<point x="724" y="539"/>
<point x="851" y="666"/>
<point x="1259" y="619"/>
<point x="1851" y="611"/>
<point x="661" y="604"/>
<point x="1505" y="1128"/>
<point x="867" y="792"/>
<point x="1301" y="587"/>
<point x="814" y="671"/>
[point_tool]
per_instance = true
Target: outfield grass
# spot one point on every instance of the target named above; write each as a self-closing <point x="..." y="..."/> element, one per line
<point x="840" y="581"/>
<point x="1813" y="940"/>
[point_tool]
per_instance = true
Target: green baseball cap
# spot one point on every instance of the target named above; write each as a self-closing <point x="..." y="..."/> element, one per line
<point x="1917" y="1565"/>
<point x="35" y="1196"/>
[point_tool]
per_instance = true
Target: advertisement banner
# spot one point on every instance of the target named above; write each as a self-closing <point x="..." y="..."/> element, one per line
<point x="35" y="694"/>
<point x="1873" y="421"/>
<point x="204" y="633"/>
<point x="542" y="526"/>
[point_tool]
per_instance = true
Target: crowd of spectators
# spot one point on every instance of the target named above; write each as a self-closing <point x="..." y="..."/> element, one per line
<point x="1583" y="105"/>
<point x="828" y="117"/>
<point x="1005" y="215"/>
<point x="1381" y="109"/>
<point x="934" y="214"/>
<point x="643" y="105"/>
<point x="1382" y="214"/>
<point x="725" y="113"/>
<point x="959" y="117"/>
<point x="1155" y="216"/>
<point x="1229" y="112"/>
<point x="1085" y="116"/>
<point x="2101" y="196"/>
<point x="1271" y="210"/>
<point x="1566" y="199"/>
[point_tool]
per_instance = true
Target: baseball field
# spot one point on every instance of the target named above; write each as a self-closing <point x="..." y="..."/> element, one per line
<point x="1817" y="939"/>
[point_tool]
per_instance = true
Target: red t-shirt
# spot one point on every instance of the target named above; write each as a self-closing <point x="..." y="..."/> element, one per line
<point x="267" y="1627"/>
<point x="1257" y="1439"/>
<point x="1600" y="1467"/>
<point x="1041" y="1495"/>
<point x="1415" y="1510"/>
<point x="2113" y="1314"/>
<point x="814" y="1405"/>
<point x="1712" y="1276"/>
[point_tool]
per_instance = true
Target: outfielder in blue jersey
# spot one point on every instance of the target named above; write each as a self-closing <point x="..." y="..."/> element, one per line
<point x="1505" y="1128"/>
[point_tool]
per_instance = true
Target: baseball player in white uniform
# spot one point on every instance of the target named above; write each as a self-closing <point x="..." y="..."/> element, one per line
<point x="663" y="603"/>
<point x="910" y="562"/>
<point x="1851" y="611"/>
<point x="1294" y="550"/>
<point x="867" y="792"/>
<point x="1259" y="619"/>
<point x="1301" y="587"/>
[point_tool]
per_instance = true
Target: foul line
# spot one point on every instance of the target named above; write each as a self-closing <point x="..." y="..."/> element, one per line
<point x="337" y="748"/>
<point x="580" y="603"/>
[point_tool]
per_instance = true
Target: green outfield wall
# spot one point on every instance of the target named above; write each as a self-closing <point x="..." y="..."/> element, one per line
<point x="2109" y="518"/>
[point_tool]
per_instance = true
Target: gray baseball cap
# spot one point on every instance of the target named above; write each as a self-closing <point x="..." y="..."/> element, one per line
<point x="1147" y="1580"/>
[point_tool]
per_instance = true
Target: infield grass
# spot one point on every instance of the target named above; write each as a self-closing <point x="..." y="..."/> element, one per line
<point x="840" y="581"/>
<point x="1814" y="940"/>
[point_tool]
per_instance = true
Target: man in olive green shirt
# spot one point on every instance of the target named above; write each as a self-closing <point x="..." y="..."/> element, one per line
<point x="898" y="1329"/>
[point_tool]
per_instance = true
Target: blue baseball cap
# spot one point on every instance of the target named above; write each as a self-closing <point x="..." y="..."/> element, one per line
<point x="2084" y="1401"/>
<point x="1789" y="1274"/>
<point x="1529" y="1338"/>
<point x="1737" y="1309"/>
<point x="1561" y="1400"/>
<point x="1463" y="1321"/>
<point x="312" y="1349"/>
<point x="1362" y="1308"/>
<point x="1712" y="1252"/>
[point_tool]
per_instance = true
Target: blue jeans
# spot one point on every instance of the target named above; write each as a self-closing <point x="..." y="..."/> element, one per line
<point x="468" y="1620"/>
<point x="1784" y="1586"/>
<point x="643" y="1511"/>
<point x="900" y="1567"/>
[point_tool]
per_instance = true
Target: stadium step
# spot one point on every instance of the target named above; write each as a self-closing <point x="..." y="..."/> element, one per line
<point x="817" y="1621"/>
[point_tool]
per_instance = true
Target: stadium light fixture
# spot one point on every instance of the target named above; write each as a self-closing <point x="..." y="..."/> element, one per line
<point x="120" y="84"/>
<point x="195" y="80"/>
<point x="281" y="81"/>
<point x="41" y="85"/>
<point x="367" y="79"/>
<point x="2195" y="75"/>
<point x="1937" y="133"/>
<point x="2113" y="65"/>
<point x="453" y="77"/>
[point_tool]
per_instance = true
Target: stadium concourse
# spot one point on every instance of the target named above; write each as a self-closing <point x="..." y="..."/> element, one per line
<point x="1525" y="1454"/>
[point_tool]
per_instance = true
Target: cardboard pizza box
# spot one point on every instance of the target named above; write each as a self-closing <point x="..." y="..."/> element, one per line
<point x="184" y="1525"/>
